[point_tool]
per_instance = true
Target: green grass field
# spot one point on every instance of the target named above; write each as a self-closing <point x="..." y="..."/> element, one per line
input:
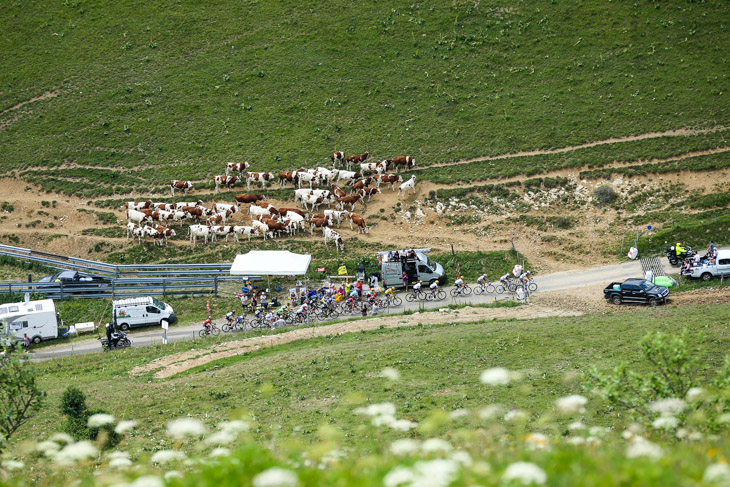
<point x="146" y="92"/>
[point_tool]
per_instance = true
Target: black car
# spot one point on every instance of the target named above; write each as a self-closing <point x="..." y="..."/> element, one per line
<point x="636" y="291"/>
<point x="74" y="282"/>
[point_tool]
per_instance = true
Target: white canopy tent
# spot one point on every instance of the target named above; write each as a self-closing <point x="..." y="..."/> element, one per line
<point x="270" y="263"/>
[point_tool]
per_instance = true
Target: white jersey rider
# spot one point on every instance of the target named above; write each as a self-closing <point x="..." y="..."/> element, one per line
<point x="458" y="282"/>
<point x="434" y="285"/>
<point x="481" y="279"/>
<point x="417" y="287"/>
<point x="504" y="278"/>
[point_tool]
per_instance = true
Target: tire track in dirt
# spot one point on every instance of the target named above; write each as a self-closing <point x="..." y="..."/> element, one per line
<point x="44" y="96"/>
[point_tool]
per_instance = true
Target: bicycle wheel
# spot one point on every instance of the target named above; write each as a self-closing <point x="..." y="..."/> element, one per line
<point x="334" y="314"/>
<point x="215" y="331"/>
<point x="500" y="289"/>
<point x="202" y="333"/>
<point x="441" y="294"/>
<point x="490" y="288"/>
<point x="226" y="328"/>
<point x="532" y="286"/>
<point x="454" y="292"/>
<point x="512" y="287"/>
<point x="467" y="290"/>
<point x="396" y="301"/>
<point x="410" y="297"/>
<point x="478" y="290"/>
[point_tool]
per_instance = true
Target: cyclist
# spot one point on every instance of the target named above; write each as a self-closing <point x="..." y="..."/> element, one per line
<point x="230" y="317"/>
<point x="206" y="324"/>
<point x="504" y="280"/>
<point x="482" y="280"/>
<point x="302" y="310"/>
<point x="269" y="318"/>
<point x="416" y="288"/>
<point x="434" y="287"/>
<point x="459" y="282"/>
<point x="525" y="277"/>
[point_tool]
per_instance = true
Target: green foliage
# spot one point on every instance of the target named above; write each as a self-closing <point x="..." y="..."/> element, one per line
<point x="709" y="162"/>
<point x="604" y="195"/>
<point x="7" y="207"/>
<point x="712" y="200"/>
<point x="473" y="264"/>
<point x="73" y="406"/>
<point x="20" y="396"/>
<point x="695" y="230"/>
<point x="546" y="223"/>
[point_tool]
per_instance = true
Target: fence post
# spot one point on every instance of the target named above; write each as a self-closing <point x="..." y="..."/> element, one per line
<point x="622" y="244"/>
<point x="215" y="280"/>
<point x="164" y="288"/>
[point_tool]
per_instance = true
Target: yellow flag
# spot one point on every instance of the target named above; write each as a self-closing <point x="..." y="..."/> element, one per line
<point x="342" y="271"/>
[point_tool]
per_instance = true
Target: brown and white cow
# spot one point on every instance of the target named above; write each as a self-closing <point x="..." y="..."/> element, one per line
<point x="332" y="235"/>
<point x="227" y="181"/>
<point x="369" y="192"/>
<point x="243" y="230"/>
<point x="285" y="211"/>
<point x="318" y="223"/>
<point x="249" y="198"/>
<point x="138" y="205"/>
<point x="359" y="221"/>
<point x="162" y="233"/>
<point x="222" y="231"/>
<point x="348" y="176"/>
<point x="258" y="177"/>
<point x="356" y="159"/>
<point x="336" y="157"/>
<point x="238" y="167"/>
<point x="407" y="161"/>
<point x="348" y="200"/>
<point x="185" y="186"/>
<point x="363" y="183"/>
<point x="286" y="177"/>
<point x="391" y="179"/>
<point x="338" y="191"/>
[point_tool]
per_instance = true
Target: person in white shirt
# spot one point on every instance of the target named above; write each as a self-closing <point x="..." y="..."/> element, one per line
<point x="481" y="279"/>
<point x="459" y="282"/>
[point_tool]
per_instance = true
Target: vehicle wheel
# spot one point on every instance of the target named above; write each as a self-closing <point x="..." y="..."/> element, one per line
<point x="499" y="289"/>
<point x="490" y="288"/>
<point x="467" y="290"/>
<point x="478" y="290"/>
<point x="616" y="299"/>
<point x="441" y="294"/>
<point x="674" y="262"/>
<point x="410" y="297"/>
<point x="652" y="302"/>
<point x="532" y="286"/>
<point x="397" y="301"/>
<point x="226" y="328"/>
<point x="706" y="276"/>
<point x="125" y="343"/>
<point x="215" y="332"/>
<point x="201" y="333"/>
<point x="454" y="292"/>
<point x="36" y="340"/>
<point x="124" y="327"/>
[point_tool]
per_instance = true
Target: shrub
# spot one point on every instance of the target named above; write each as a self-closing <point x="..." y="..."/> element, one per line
<point x="605" y="195"/>
<point x="73" y="406"/>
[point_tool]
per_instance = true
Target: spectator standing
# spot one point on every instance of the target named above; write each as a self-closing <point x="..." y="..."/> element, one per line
<point x="26" y="342"/>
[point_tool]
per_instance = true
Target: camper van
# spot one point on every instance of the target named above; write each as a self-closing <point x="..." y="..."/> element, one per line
<point x="141" y="311"/>
<point x="418" y="268"/>
<point x="37" y="319"/>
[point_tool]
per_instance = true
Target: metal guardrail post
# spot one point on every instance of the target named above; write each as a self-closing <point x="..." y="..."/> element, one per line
<point x="164" y="288"/>
<point x="215" y="280"/>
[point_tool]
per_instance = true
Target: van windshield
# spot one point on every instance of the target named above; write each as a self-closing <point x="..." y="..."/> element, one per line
<point x="158" y="303"/>
<point x="431" y="263"/>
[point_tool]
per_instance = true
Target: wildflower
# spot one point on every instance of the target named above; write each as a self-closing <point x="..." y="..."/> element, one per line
<point x="382" y="409"/>
<point x="593" y="441"/>
<point x="235" y="427"/>
<point x="390" y="373"/>
<point x="166" y="456"/>
<point x="75" y="452"/>
<point x="172" y="474"/>
<point x="489" y="412"/>
<point x="402" y="425"/>
<point x="220" y="438"/>
<point x="717" y="473"/>
<point x="120" y="462"/>
<point x="576" y="426"/>
<point x="515" y="415"/>
<point x="435" y="473"/>
<point x="148" y="481"/>
<point x="572" y="404"/>
<point x="48" y="448"/>
<point x="62" y="438"/>
<point x="525" y="473"/>
<point x="576" y="440"/>
<point x="665" y="423"/>
<point x="275" y="477"/>
<point x="695" y="394"/>
<point x="125" y="426"/>
<point x="383" y="420"/>
<point x="670" y="406"/>
<point x="461" y="457"/>
<point x="496" y="376"/>
<point x="537" y="441"/>
<point x="458" y="413"/>
<point x="179" y="429"/>
<point x="405" y="446"/>
<point x="117" y="454"/>
<point x="100" y="420"/>
<point x="434" y="445"/>
<point x="399" y="476"/>
<point x="13" y="465"/>
<point x="643" y="448"/>
<point x="694" y="436"/>
<point x="220" y="452"/>
<point x="597" y="431"/>
<point x="724" y="418"/>
<point x="681" y="434"/>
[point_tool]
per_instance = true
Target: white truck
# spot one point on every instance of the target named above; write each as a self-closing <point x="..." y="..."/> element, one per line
<point x="418" y="267"/>
<point x="141" y="311"/>
<point x="38" y="319"/>
<point x="719" y="268"/>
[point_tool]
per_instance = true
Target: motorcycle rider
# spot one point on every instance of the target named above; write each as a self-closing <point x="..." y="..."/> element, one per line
<point x="679" y="250"/>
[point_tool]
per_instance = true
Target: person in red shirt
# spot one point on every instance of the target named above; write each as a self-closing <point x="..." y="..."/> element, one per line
<point x="358" y="285"/>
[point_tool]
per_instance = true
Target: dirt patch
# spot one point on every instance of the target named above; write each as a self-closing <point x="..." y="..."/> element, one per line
<point x="44" y="96"/>
<point x="174" y="364"/>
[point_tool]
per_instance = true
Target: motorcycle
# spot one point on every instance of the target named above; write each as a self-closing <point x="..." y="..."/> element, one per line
<point x="676" y="260"/>
<point x="119" y="340"/>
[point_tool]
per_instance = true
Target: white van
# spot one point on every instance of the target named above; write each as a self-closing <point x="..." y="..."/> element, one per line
<point x="38" y="319"/>
<point x="141" y="311"/>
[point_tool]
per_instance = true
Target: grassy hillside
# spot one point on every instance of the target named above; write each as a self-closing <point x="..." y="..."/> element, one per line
<point x="175" y="89"/>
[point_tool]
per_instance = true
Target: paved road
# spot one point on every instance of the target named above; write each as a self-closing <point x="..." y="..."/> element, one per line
<point x="549" y="282"/>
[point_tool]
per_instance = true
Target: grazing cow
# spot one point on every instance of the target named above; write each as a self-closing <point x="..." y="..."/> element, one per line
<point x="337" y="216"/>
<point x="348" y="176"/>
<point x="299" y="194"/>
<point x="407" y="161"/>
<point x="223" y="230"/>
<point x="141" y="232"/>
<point x="356" y="159"/>
<point x="196" y="231"/>
<point x="336" y="157"/>
<point x="227" y="181"/>
<point x="179" y="206"/>
<point x="182" y="185"/>
<point x="249" y="198"/>
<point x="361" y="184"/>
<point x="169" y="216"/>
<point x="325" y="175"/>
<point x="324" y="198"/>
<point x="130" y="228"/>
<point x="215" y="220"/>
<point x="238" y="167"/>
<point x="360" y="222"/>
<point x="368" y="167"/>
<point x="257" y="213"/>
<point x="162" y="233"/>
<point x="276" y="227"/>
<point x="193" y="212"/>
<point x="288" y="211"/>
<point x="391" y="179"/>
<point x="135" y="216"/>
<point x="137" y="205"/>
<point x="318" y="223"/>
<point x="338" y="191"/>
<point x="410" y="184"/>
<point x="219" y="207"/>
<point x="261" y="228"/>
<point x="286" y="177"/>
<point x="242" y="230"/>
<point x="306" y="177"/>
<point x="330" y="234"/>
<point x="347" y="200"/>
<point x="258" y="177"/>
<point x="295" y="222"/>
<point x="369" y="192"/>
<point x="164" y="206"/>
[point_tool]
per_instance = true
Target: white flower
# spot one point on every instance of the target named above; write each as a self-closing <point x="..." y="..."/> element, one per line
<point x="48" y="448"/>
<point x="120" y="462"/>
<point x="435" y="445"/>
<point x="235" y="427"/>
<point x="597" y="430"/>
<point x="76" y="451"/>
<point x="382" y="409"/>
<point x="515" y="415"/>
<point x="166" y="456"/>
<point x="61" y="438"/>
<point x="383" y="420"/>
<point x="537" y="441"/>
<point x="13" y="465"/>
<point x="99" y="420"/>
<point x="220" y="452"/>
<point x="695" y="394"/>
<point x="402" y="425"/>
<point x="571" y="404"/>
<point x="643" y="448"/>
<point x="490" y="412"/>
<point x="435" y="473"/>
<point x="665" y="423"/>
<point x="576" y="440"/>
<point x="496" y="376"/>
<point x="525" y="473"/>
<point x="117" y="454"/>
<point x="125" y="426"/>
<point x="220" y="438"/>
<point x="576" y="426"/>
<point x="717" y="473"/>
<point x="172" y="474"/>
<point x="182" y="428"/>
<point x="458" y="413"/>
<point x="724" y="418"/>
<point x="670" y="406"/>
<point x="461" y="457"/>
<point x="405" y="446"/>
<point x="390" y="373"/>
<point x="148" y="481"/>
<point x="275" y="477"/>
<point x="399" y="476"/>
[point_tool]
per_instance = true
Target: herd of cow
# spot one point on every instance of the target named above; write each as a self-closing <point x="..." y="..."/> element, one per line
<point x="146" y="218"/>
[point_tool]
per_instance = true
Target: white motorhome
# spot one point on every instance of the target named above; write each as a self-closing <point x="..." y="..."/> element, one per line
<point x="37" y="319"/>
<point x="141" y="311"/>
